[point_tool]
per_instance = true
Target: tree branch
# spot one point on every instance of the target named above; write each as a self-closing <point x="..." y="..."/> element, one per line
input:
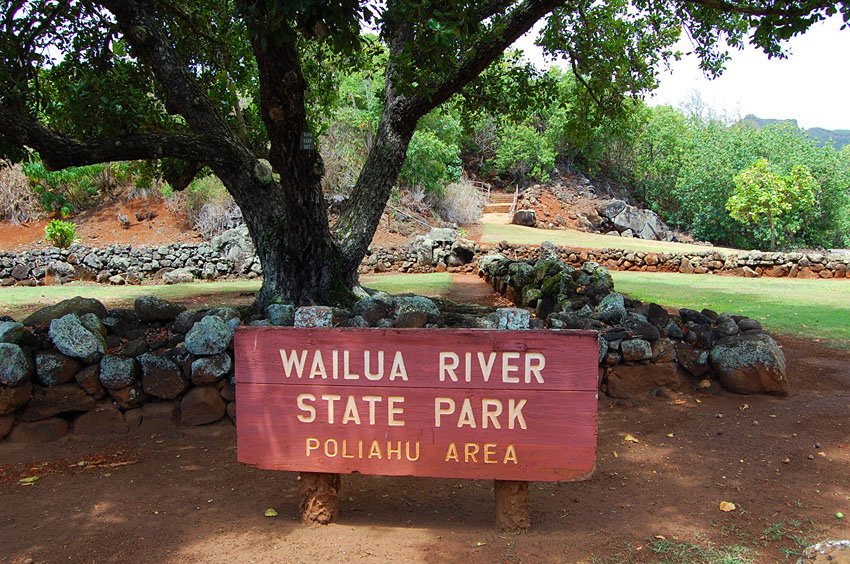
<point x="59" y="151"/>
<point x="778" y="9"/>
<point x="489" y="48"/>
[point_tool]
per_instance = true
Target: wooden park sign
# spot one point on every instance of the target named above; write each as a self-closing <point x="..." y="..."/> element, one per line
<point x="453" y="403"/>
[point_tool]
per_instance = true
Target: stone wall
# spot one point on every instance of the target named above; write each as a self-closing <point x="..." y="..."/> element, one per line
<point x="745" y="263"/>
<point x="78" y="367"/>
<point x="643" y="349"/>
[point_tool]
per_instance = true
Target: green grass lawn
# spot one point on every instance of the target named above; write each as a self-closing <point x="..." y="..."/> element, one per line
<point x="519" y="235"/>
<point x="19" y="302"/>
<point x="818" y="309"/>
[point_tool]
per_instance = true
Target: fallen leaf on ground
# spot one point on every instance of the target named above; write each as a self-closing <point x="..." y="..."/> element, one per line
<point x="270" y="512"/>
<point x="727" y="506"/>
<point x="29" y="480"/>
<point x="630" y="439"/>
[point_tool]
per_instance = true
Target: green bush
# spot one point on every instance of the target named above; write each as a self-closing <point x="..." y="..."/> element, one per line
<point x="524" y="153"/>
<point x="431" y="163"/>
<point x="61" y="233"/>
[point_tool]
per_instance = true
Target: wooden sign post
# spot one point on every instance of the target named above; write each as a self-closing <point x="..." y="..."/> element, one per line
<point x="510" y="406"/>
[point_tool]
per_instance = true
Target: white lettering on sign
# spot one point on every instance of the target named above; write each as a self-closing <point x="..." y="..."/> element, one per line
<point x="532" y="366"/>
<point x="294" y="364"/>
<point x="490" y="413"/>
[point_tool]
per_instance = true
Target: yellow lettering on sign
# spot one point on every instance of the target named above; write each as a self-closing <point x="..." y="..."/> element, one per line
<point x="451" y="453"/>
<point x="312" y="444"/>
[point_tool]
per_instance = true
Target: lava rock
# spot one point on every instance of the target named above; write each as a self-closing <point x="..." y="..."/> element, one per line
<point x="414" y="311"/>
<point x="611" y="309"/>
<point x="373" y="308"/>
<point x="314" y="316"/>
<point x="78" y="306"/>
<point x="54" y="368"/>
<point x="73" y="339"/>
<point x="201" y="406"/>
<point x="153" y="308"/>
<point x="750" y="364"/>
<point x="118" y="372"/>
<point x="282" y="315"/>
<point x="159" y="418"/>
<point x="178" y="276"/>
<point x="12" y="332"/>
<point x="89" y="380"/>
<point x="694" y="317"/>
<point x="45" y="431"/>
<point x="161" y="377"/>
<point x="13" y="397"/>
<point x="48" y="402"/>
<point x="103" y="420"/>
<point x="636" y="349"/>
<point x="211" y="369"/>
<point x="208" y="336"/>
<point x="16" y="366"/>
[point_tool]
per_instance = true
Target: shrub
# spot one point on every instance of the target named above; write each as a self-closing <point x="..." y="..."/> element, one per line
<point x="431" y="163"/>
<point x="18" y="203"/>
<point x="524" y="153"/>
<point x="462" y="202"/>
<point x="61" y="233"/>
<point x="208" y="206"/>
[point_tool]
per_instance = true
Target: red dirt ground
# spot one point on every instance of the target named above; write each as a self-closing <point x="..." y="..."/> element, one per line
<point x="100" y="227"/>
<point x="184" y="498"/>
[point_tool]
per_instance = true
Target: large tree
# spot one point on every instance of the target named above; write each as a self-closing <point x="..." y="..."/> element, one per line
<point x="232" y="84"/>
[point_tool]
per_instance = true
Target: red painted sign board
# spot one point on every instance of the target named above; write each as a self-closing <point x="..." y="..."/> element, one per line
<point x="454" y="403"/>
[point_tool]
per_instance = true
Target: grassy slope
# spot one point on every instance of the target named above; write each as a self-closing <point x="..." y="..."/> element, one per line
<point x="519" y="235"/>
<point x="817" y="309"/>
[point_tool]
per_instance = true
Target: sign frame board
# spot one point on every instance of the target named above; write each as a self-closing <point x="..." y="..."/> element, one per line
<point x="444" y="403"/>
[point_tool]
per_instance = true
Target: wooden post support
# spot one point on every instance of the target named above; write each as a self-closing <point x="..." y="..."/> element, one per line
<point x="319" y="497"/>
<point x="319" y="491"/>
<point x="512" y="496"/>
<point x="512" y="505"/>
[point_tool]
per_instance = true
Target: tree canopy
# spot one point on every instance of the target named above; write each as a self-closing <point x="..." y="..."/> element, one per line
<point x="238" y="85"/>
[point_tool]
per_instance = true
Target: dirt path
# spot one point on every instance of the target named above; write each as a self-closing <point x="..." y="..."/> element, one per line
<point x="184" y="498"/>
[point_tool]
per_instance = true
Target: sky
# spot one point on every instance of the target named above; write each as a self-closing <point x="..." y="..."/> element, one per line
<point x="812" y="85"/>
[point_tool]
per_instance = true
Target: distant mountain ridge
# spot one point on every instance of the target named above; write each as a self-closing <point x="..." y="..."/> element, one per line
<point x="838" y="137"/>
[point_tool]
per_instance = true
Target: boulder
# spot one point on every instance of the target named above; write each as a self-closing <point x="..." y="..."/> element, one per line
<point x="373" y="308"/>
<point x="78" y="305"/>
<point x="44" y="431"/>
<point x="414" y="311"/>
<point x="13" y="397"/>
<point x="634" y="381"/>
<point x="16" y="366"/>
<point x="211" y="369"/>
<point x="129" y="397"/>
<point x="12" y="332"/>
<point x="73" y="339"/>
<point x="236" y="246"/>
<point x="612" y="309"/>
<point x="89" y="380"/>
<point x="153" y="308"/>
<point x="118" y="372"/>
<point x="693" y="360"/>
<point x="209" y="336"/>
<point x="54" y="368"/>
<point x="48" y="402"/>
<point x="281" y="314"/>
<point x="178" y="276"/>
<point x="442" y="235"/>
<point x="527" y="218"/>
<point x="201" y="406"/>
<point x="161" y="377"/>
<point x="512" y="318"/>
<point x="636" y="349"/>
<point x="159" y="418"/>
<point x="103" y="420"/>
<point x="750" y="364"/>
<point x="313" y="316"/>
<point x="612" y="209"/>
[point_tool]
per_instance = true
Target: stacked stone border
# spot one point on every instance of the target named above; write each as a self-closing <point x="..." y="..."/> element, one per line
<point x="78" y="366"/>
<point x="231" y="255"/>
